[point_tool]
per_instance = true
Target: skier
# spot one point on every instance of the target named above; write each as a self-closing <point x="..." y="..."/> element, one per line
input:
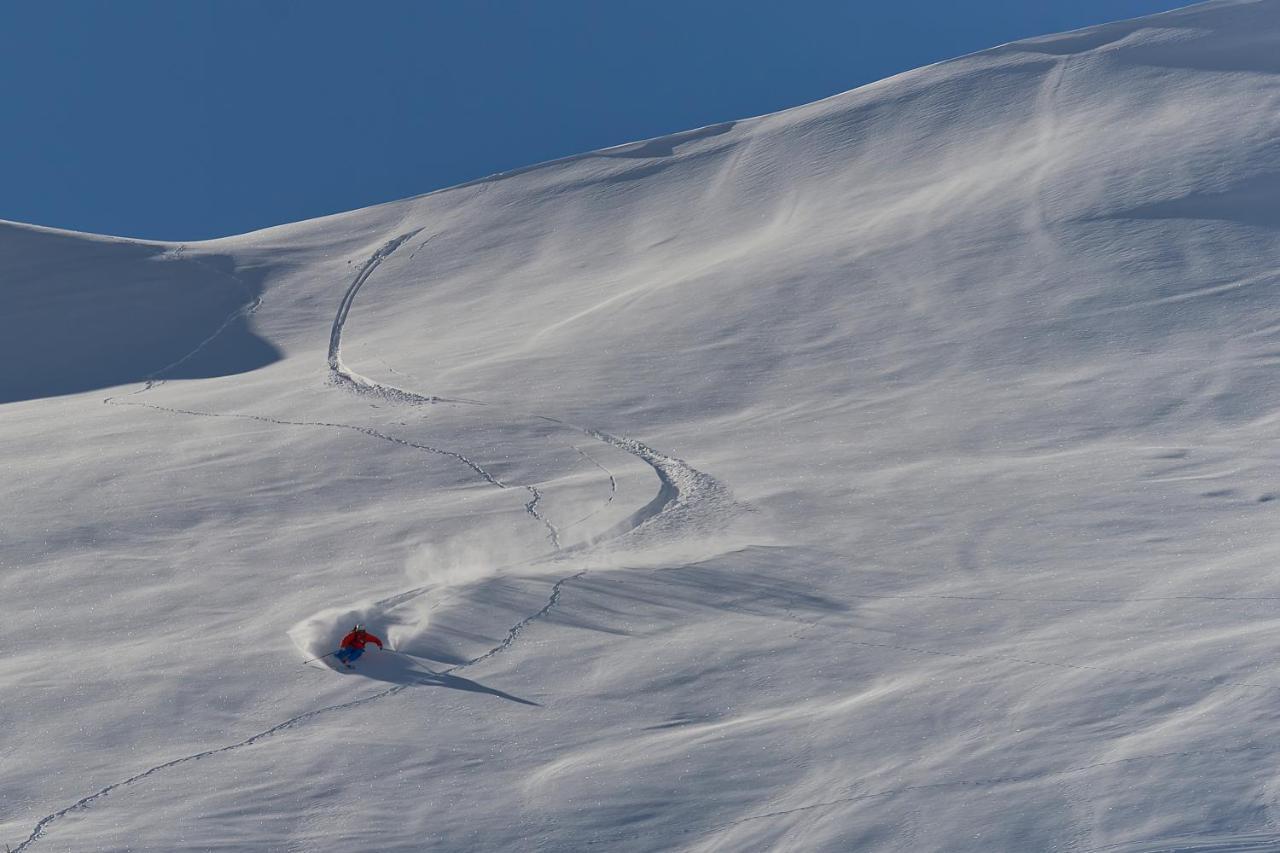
<point x="353" y="644"/>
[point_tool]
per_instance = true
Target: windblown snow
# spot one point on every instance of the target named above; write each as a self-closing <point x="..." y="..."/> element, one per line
<point x="896" y="472"/>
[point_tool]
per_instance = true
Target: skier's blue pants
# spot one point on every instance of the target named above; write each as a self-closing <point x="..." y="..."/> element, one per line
<point x="349" y="656"/>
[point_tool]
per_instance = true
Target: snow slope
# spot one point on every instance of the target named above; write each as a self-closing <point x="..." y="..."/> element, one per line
<point x="891" y="473"/>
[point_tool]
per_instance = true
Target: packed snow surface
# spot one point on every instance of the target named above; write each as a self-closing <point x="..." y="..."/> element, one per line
<point x="897" y="472"/>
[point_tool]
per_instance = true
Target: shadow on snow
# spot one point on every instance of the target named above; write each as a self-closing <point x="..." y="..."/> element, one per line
<point x="84" y="313"/>
<point x="399" y="668"/>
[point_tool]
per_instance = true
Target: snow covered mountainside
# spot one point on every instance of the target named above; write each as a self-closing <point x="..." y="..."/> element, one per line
<point x="896" y="472"/>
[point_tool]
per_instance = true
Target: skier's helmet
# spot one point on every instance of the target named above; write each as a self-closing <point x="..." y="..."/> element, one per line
<point x="358" y="627"/>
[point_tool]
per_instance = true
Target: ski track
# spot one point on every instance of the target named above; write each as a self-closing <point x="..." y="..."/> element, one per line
<point x="84" y="802"/>
<point x="339" y="372"/>
<point x="514" y="630"/>
<point x="613" y="487"/>
<point x="680" y="486"/>
<point x="683" y="491"/>
<point x="532" y="508"/>
<point x="345" y="377"/>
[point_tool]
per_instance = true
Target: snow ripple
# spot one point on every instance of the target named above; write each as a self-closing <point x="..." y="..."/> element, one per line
<point x="686" y="497"/>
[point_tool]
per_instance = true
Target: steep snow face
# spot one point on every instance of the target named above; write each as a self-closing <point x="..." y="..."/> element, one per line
<point x="113" y="310"/>
<point x="894" y="472"/>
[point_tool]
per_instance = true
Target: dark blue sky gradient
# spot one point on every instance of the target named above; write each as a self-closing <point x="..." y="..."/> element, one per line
<point x="188" y="119"/>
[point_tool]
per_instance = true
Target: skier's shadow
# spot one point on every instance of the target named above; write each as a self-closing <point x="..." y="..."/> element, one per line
<point x="400" y="668"/>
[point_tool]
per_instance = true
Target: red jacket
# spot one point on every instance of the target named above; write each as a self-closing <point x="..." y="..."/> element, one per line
<point x="357" y="639"/>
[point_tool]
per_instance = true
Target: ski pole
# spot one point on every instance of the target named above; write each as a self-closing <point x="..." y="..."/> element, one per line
<point x="322" y="657"/>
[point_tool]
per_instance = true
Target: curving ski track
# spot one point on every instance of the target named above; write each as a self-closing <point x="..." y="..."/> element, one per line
<point x="613" y="488"/>
<point x="681" y="485"/>
<point x="345" y="377"/>
<point x="682" y="489"/>
<point x="339" y="372"/>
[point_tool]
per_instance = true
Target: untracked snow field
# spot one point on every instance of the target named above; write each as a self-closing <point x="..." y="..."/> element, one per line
<point x="899" y="472"/>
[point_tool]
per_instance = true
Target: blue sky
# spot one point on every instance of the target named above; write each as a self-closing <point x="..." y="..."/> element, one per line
<point x="201" y="118"/>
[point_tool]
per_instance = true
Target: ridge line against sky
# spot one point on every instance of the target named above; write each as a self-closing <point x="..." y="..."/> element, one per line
<point x="207" y="119"/>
